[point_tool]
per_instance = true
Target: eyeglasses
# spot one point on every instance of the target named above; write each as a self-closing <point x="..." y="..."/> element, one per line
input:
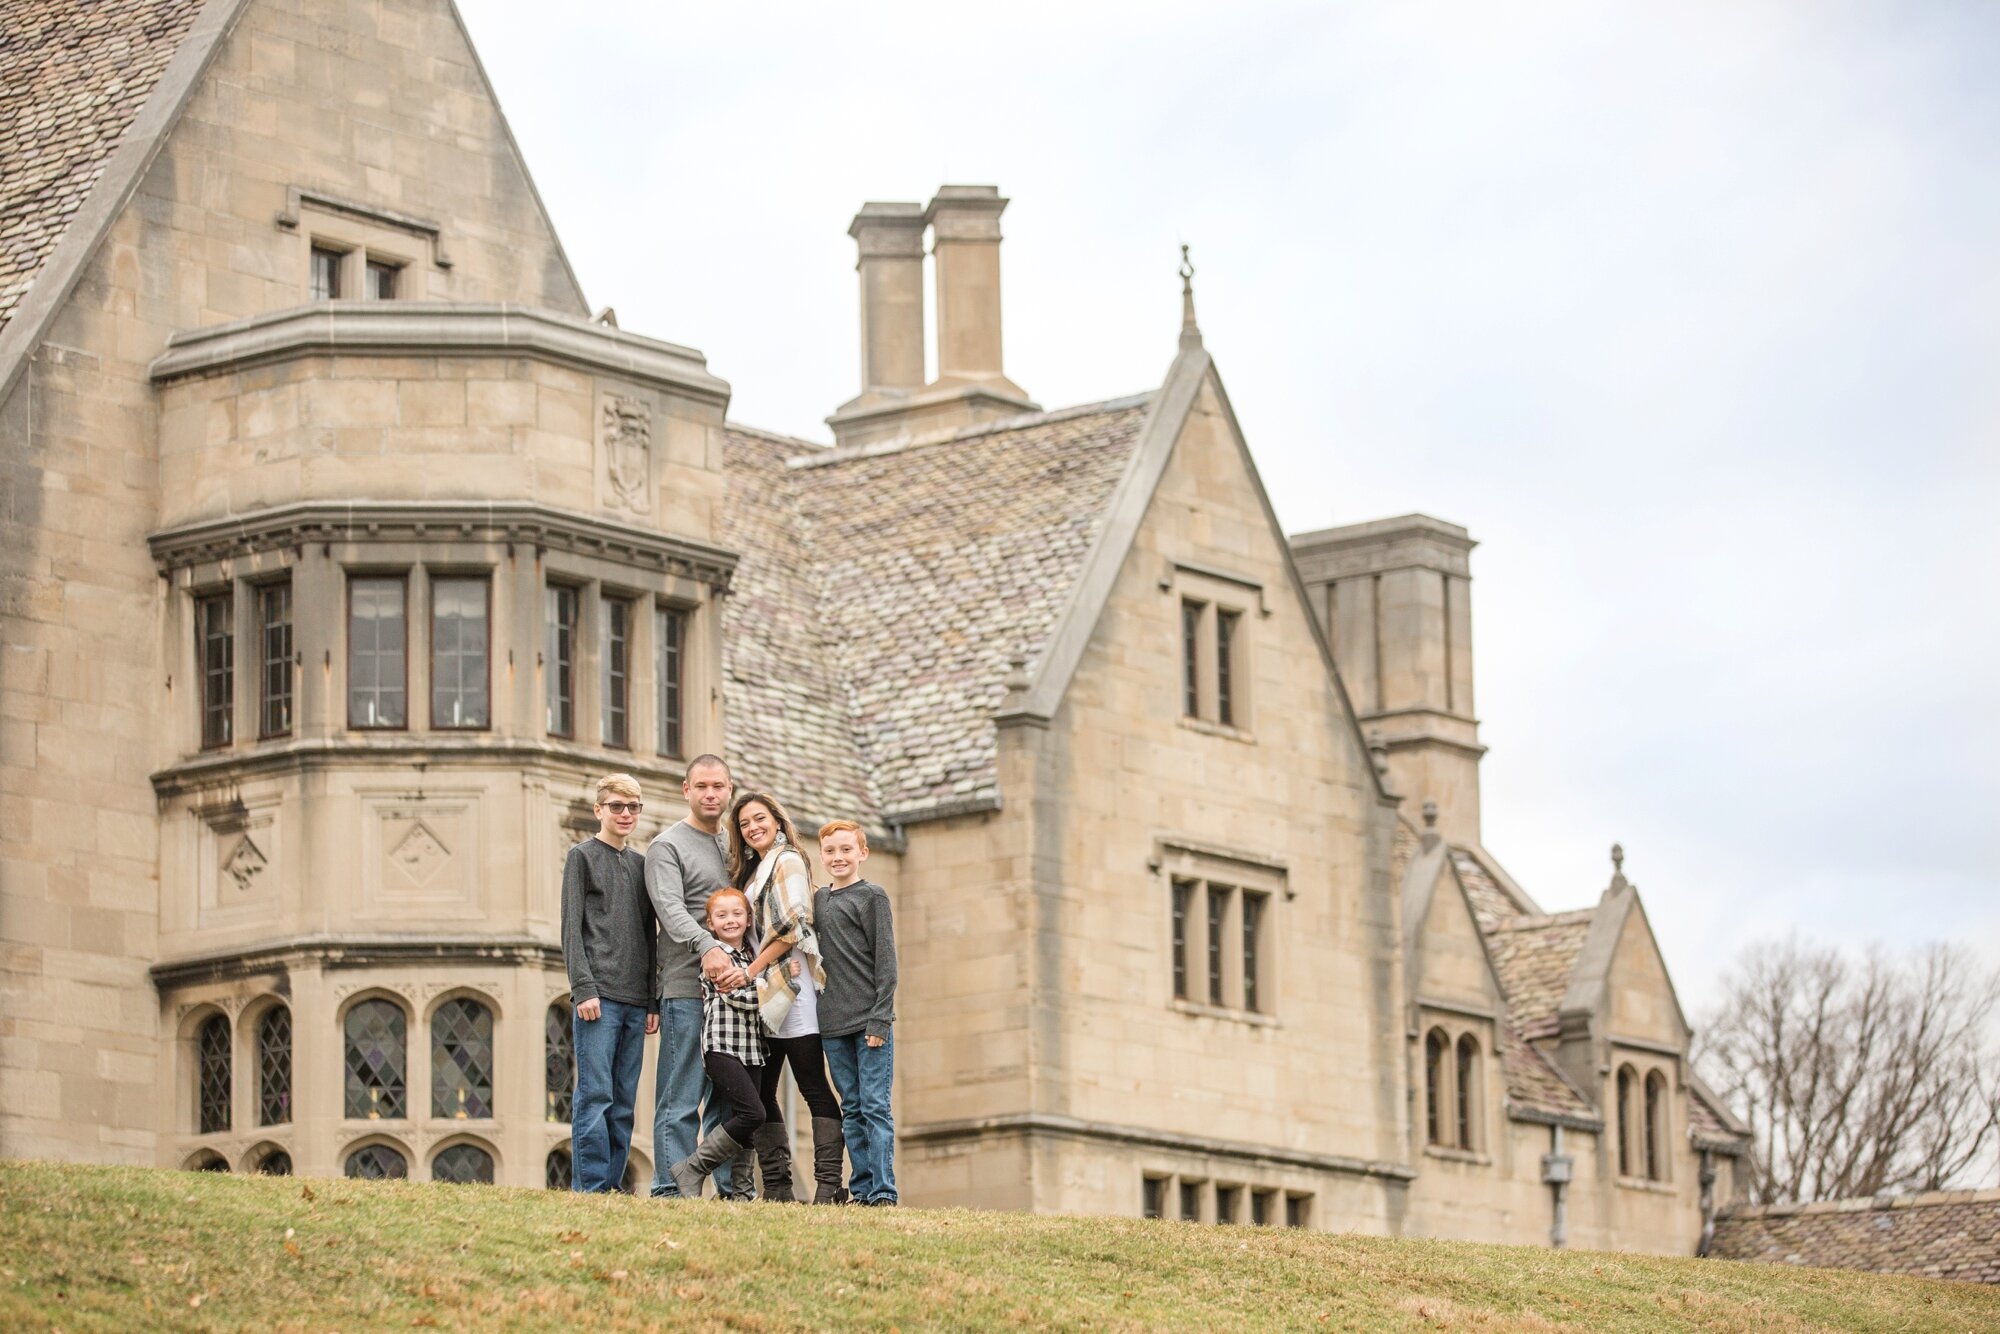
<point x="624" y="807"/>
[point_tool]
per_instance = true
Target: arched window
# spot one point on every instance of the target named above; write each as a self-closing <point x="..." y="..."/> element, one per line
<point x="463" y="1164"/>
<point x="1624" y="1120"/>
<point x="208" y="1160"/>
<point x="377" y="1162"/>
<point x="462" y="1059"/>
<point x="561" y="1066"/>
<point x="1435" y="1047"/>
<point x="1467" y="1088"/>
<point x="377" y="1041"/>
<point x="1656" y="1125"/>
<point x="557" y="1170"/>
<point x="270" y="1161"/>
<point x="212" y="1080"/>
<point x="274" y="1068"/>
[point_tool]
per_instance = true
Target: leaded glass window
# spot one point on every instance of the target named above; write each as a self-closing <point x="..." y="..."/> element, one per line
<point x="464" y="1165"/>
<point x="462" y="1059"/>
<point x="377" y="1043"/>
<point x="1218" y="899"/>
<point x="560" y="665"/>
<point x="1434" y="1049"/>
<point x="556" y="1172"/>
<point x="1253" y="940"/>
<point x="215" y="652"/>
<point x="560" y="1062"/>
<point x="377" y="1162"/>
<point x="1465" y="1089"/>
<point x="211" y="1162"/>
<point x="458" y="653"/>
<point x="276" y="1163"/>
<point x="1190" y="661"/>
<point x="616" y="656"/>
<point x="1225" y="685"/>
<point x="670" y="653"/>
<point x="1183" y="892"/>
<point x="212" y="1062"/>
<point x="274" y="645"/>
<point x="274" y="1067"/>
<point x="376" y="667"/>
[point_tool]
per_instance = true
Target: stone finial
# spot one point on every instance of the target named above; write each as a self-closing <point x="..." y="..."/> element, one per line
<point x="1190" y="331"/>
<point x="1431" y="837"/>
<point x="1618" y="880"/>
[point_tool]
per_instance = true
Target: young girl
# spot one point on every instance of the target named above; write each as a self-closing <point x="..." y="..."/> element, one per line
<point x="732" y="1051"/>
<point x="768" y="864"/>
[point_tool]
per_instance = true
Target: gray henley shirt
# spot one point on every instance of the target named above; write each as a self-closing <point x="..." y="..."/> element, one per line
<point x="683" y="867"/>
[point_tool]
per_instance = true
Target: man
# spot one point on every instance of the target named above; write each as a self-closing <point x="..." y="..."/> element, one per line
<point x="608" y="942"/>
<point x="686" y="863"/>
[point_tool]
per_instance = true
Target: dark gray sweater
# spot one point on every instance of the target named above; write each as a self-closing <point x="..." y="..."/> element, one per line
<point x="607" y="925"/>
<point x="858" y="942"/>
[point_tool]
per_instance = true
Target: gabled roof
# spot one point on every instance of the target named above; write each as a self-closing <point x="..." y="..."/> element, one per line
<point x="1495" y="898"/>
<point x="884" y="588"/>
<point x="73" y="74"/>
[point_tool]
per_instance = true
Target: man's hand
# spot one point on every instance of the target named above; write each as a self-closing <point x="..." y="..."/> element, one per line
<point x="874" y="1041"/>
<point x="589" y="1010"/>
<point x="652" y="1024"/>
<point x="718" y="968"/>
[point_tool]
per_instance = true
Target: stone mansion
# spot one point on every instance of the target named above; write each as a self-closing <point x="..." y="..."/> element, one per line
<point x="344" y="547"/>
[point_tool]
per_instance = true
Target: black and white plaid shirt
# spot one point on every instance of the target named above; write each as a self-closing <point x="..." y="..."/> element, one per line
<point x="729" y="1018"/>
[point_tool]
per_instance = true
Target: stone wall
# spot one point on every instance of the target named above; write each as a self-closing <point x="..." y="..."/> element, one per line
<point x="1942" y="1234"/>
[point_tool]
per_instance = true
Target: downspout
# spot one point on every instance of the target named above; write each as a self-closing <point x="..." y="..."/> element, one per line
<point x="1557" y="1168"/>
<point x="1707" y="1179"/>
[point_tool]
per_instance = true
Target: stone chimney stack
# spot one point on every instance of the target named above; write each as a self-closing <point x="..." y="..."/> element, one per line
<point x="890" y="238"/>
<point x="1395" y="599"/>
<point x="965" y="242"/>
<point x="971" y="387"/>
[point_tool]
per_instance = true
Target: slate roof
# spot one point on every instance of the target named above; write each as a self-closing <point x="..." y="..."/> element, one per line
<point x="1535" y="1085"/>
<point x="1534" y="957"/>
<point x="1706" y="1128"/>
<point x="1491" y="903"/>
<point x="882" y="590"/>
<point x="1944" y="1234"/>
<point x="73" y="74"/>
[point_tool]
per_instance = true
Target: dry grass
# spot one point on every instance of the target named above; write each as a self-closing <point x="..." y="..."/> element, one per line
<point x="93" y="1248"/>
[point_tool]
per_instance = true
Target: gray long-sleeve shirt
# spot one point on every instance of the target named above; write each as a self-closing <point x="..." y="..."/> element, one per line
<point x="857" y="941"/>
<point x="607" y="925"/>
<point x="683" y="867"/>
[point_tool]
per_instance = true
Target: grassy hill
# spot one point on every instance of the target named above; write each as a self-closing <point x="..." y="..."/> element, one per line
<point x="86" y="1248"/>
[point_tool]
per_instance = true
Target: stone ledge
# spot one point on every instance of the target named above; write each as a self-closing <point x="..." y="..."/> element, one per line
<point x="294" y="525"/>
<point x="407" y="752"/>
<point x="1029" y="1124"/>
<point x="352" y="952"/>
<point x="426" y="328"/>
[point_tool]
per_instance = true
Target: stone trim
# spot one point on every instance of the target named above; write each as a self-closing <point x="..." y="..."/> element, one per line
<point x="352" y="952"/>
<point x="1030" y="1123"/>
<point x="401" y="751"/>
<point x="436" y="328"/>
<point x="123" y="171"/>
<point x="1536" y="1116"/>
<point x="544" y="526"/>
<point x="298" y="196"/>
<point x="942" y="810"/>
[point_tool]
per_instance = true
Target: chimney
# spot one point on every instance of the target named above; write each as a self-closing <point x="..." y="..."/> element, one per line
<point x="894" y="402"/>
<point x="890" y="238"/>
<point x="1395" y="599"/>
<point x="965" y="242"/>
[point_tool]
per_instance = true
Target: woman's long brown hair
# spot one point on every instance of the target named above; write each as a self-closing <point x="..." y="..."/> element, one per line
<point x="743" y="858"/>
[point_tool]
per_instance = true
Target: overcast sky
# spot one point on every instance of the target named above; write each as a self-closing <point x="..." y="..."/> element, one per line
<point x="1690" y="312"/>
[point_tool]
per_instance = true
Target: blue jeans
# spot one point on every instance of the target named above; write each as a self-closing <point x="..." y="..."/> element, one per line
<point x="680" y="1090"/>
<point x="609" y="1051"/>
<point x="863" y="1074"/>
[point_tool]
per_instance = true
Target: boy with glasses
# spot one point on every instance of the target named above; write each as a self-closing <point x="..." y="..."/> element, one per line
<point x="607" y="935"/>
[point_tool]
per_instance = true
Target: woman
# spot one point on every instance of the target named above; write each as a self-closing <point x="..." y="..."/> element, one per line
<point x="767" y="862"/>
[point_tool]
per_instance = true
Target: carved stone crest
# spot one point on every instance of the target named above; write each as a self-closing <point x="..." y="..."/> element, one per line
<point x="245" y="862"/>
<point x="420" y="854"/>
<point x="626" y="433"/>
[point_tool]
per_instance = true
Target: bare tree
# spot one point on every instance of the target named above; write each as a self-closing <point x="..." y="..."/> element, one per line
<point x="1857" y="1075"/>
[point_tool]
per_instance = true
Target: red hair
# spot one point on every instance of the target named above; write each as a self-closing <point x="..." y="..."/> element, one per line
<point x="726" y="892"/>
<point x="832" y="827"/>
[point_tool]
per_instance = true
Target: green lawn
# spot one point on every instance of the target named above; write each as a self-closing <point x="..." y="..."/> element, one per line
<point x="94" y="1248"/>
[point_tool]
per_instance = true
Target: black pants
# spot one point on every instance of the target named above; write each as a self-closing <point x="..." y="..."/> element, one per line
<point x="808" y="1069"/>
<point x="737" y="1085"/>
